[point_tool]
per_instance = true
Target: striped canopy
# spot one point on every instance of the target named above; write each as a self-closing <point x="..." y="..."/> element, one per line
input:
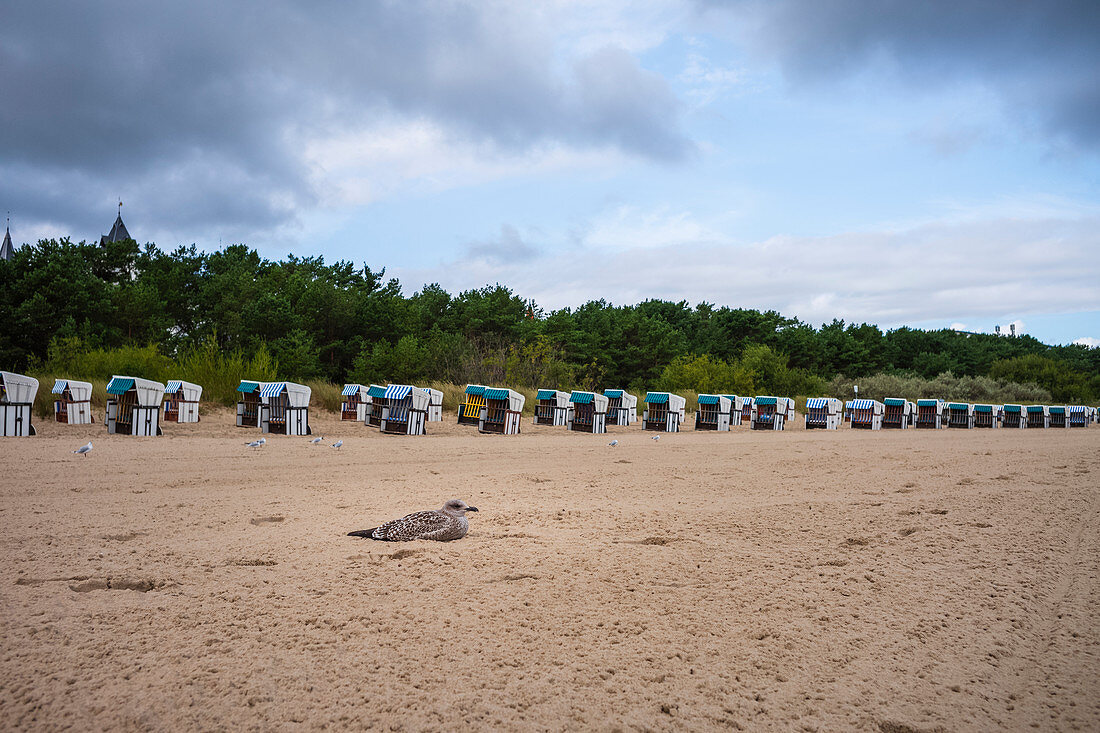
<point x="958" y="406"/>
<point x="765" y="401"/>
<point x="894" y="402"/>
<point x="546" y="394"/>
<point x="59" y="386"/>
<point x="613" y="393"/>
<point x="983" y="408"/>
<point x="397" y="391"/>
<point x="497" y="394"/>
<point x="581" y="398"/>
<point x="862" y="404"/>
<point x="1036" y="408"/>
<point x="1012" y="408"/>
<point x="272" y="389"/>
<point x="1057" y="410"/>
<point x="1077" y="408"/>
<point x="173" y="386"/>
<point x="376" y="391"/>
<point x="656" y="398"/>
<point x="248" y="386"/>
<point x="120" y="385"/>
<point x="928" y="403"/>
<point x="350" y="389"/>
<point x="817" y="403"/>
<point x="475" y="389"/>
<point x="708" y="399"/>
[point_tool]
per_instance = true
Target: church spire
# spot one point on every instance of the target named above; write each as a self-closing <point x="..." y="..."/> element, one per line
<point x="7" y="251"/>
<point x="118" y="231"/>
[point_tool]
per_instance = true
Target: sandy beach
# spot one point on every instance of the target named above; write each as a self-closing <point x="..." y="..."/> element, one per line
<point x="798" y="581"/>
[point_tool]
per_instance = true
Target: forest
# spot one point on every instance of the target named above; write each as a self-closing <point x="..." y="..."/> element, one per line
<point x="82" y="309"/>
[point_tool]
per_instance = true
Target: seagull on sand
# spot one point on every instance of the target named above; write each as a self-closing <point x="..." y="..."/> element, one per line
<point x="614" y="442"/>
<point x="656" y="437"/>
<point x="254" y="444"/>
<point x="84" y="450"/>
<point x="317" y="440"/>
<point x="337" y="444"/>
<point x="448" y="523"/>
<point x="262" y="441"/>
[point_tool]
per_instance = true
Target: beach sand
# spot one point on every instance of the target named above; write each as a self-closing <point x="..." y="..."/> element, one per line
<point x="797" y="581"/>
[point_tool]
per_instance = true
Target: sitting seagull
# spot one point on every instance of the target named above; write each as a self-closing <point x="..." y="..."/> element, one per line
<point x="254" y="444"/>
<point x="656" y="437"/>
<point x="315" y="441"/>
<point x="84" y="450"/>
<point x="261" y="441"/>
<point x="614" y="442"/>
<point x="448" y="523"/>
<point x="337" y="444"/>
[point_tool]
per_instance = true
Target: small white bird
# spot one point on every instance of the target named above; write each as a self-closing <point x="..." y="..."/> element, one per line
<point x="656" y="437"/>
<point x="84" y="450"/>
<point x="254" y="444"/>
<point x="337" y="444"/>
<point x="315" y="441"/>
<point x="614" y="442"/>
<point x="261" y="441"/>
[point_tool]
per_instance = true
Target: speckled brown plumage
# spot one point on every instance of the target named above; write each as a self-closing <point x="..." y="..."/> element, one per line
<point x="443" y="525"/>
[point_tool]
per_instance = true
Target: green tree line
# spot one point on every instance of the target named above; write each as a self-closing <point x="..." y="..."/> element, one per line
<point x="341" y="322"/>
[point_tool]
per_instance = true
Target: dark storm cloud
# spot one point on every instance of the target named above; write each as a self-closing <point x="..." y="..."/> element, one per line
<point x="206" y="105"/>
<point x="1039" y="56"/>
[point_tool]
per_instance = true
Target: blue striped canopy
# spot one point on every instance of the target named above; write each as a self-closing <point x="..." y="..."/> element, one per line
<point x="247" y="386"/>
<point x="581" y="398"/>
<point x="475" y="389"/>
<point x="59" y="386"/>
<point x="376" y="391"/>
<point x="613" y="393"/>
<point x="817" y="402"/>
<point x="894" y="402"/>
<point x="274" y="389"/>
<point x="656" y="398"/>
<point x="848" y="404"/>
<point x="350" y="389"/>
<point x="1076" y="408"/>
<point x="496" y="394"/>
<point x="397" y="391"/>
<point x="958" y="406"/>
<point x="708" y="399"/>
<point x="1012" y="408"/>
<point x="120" y="385"/>
<point x="765" y="401"/>
<point x="173" y="386"/>
<point x="862" y="404"/>
<point x="1034" y="408"/>
<point x="983" y="408"/>
<point x="546" y="394"/>
<point x="928" y="403"/>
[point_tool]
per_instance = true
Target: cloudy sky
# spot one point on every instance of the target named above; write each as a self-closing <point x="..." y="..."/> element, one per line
<point x="927" y="164"/>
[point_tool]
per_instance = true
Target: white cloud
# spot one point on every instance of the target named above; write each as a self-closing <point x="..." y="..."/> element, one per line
<point x="947" y="271"/>
<point x="1088" y="341"/>
<point x="397" y="156"/>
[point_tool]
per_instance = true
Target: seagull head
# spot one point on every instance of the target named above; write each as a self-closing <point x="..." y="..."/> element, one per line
<point x="458" y="507"/>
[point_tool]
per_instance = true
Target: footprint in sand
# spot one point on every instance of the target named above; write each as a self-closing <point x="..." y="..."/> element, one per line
<point x="267" y="520"/>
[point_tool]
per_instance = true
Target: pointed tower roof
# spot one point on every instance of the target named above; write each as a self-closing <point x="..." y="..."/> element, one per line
<point x="118" y="231"/>
<point x="6" y="250"/>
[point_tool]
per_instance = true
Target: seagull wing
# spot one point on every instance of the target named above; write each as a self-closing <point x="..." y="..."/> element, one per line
<point x="417" y="525"/>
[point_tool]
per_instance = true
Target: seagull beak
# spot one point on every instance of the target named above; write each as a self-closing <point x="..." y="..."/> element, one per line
<point x="471" y="508"/>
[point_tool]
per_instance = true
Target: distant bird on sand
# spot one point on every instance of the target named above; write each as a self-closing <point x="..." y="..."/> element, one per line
<point x="262" y="441"/>
<point x="448" y="523"/>
<point x="337" y="444"/>
<point x="317" y="440"/>
<point x="656" y="437"/>
<point x="84" y="450"/>
<point x="254" y="444"/>
<point x="614" y="442"/>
